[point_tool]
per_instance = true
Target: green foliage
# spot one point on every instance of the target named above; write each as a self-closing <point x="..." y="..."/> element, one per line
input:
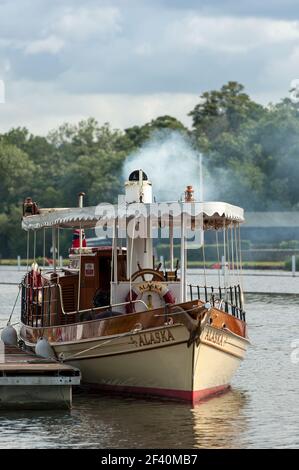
<point x="138" y="135"/>
<point x="16" y="174"/>
<point x="225" y="110"/>
<point x="252" y="150"/>
<point x="289" y="245"/>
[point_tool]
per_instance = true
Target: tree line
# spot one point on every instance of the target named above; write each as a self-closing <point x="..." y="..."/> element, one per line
<point x="253" y="147"/>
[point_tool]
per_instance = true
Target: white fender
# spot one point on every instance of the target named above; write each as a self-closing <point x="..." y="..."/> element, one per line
<point x="44" y="349"/>
<point x="9" y="336"/>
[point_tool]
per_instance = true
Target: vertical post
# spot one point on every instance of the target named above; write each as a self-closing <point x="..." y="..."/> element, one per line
<point x="81" y="196"/>
<point x="223" y="265"/>
<point x="19" y="262"/>
<point x="140" y="185"/>
<point x="293" y="265"/>
<point x="44" y="247"/>
<point x="224" y="261"/>
<point x="185" y="263"/>
<point x="54" y="247"/>
<point x="171" y="242"/>
<point x="60" y="261"/>
<point x="201" y="195"/>
<point x="183" y="260"/>
<point x="115" y="241"/>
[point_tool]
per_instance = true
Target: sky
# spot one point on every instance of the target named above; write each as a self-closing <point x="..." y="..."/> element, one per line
<point x="129" y="61"/>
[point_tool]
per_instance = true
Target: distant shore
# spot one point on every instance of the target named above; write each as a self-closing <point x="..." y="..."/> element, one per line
<point x="262" y="265"/>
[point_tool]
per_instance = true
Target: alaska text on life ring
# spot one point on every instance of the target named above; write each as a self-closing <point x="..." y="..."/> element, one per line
<point x="148" y="286"/>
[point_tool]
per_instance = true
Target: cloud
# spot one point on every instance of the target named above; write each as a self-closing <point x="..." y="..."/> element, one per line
<point x="144" y="49"/>
<point x="287" y="9"/>
<point x="232" y="34"/>
<point x="49" y="107"/>
<point x="80" y="24"/>
<point x="117" y="59"/>
<point x="51" y="44"/>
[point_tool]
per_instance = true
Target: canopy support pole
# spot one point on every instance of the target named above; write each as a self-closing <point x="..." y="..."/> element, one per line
<point x="115" y="243"/>
<point x="113" y="263"/>
<point x="171" y="242"/>
<point x="183" y="260"/>
<point x="54" y="248"/>
<point x="44" y="247"/>
<point x="224" y="261"/>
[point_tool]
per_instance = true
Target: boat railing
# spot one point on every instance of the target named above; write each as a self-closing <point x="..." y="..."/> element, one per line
<point x="229" y="299"/>
<point x="43" y="306"/>
<point x="95" y="309"/>
<point x="39" y="304"/>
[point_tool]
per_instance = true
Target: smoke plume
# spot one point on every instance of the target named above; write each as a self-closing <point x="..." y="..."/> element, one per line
<point x="170" y="163"/>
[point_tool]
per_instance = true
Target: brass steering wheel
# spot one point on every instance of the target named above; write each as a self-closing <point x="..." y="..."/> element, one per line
<point x="157" y="276"/>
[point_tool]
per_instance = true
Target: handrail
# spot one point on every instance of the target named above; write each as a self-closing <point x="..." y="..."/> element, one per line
<point x="234" y="292"/>
<point x="35" y="307"/>
<point x="95" y="308"/>
<point x="92" y="309"/>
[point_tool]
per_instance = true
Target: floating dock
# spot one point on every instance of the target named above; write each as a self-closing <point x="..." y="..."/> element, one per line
<point x="31" y="382"/>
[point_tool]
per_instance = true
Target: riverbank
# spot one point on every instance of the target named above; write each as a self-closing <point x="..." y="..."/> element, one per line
<point x="23" y="262"/>
<point x="262" y="265"/>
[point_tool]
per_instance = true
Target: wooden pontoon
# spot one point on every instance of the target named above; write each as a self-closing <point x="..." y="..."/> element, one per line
<point x="31" y="382"/>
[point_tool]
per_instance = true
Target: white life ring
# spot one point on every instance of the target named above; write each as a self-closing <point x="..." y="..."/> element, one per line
<point x="148" y="286"/>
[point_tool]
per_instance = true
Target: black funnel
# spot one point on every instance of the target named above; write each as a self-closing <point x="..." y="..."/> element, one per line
<point x="134" y="176"/>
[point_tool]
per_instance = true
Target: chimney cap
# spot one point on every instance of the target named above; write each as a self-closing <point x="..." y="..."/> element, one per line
<point x="134" y="176"/>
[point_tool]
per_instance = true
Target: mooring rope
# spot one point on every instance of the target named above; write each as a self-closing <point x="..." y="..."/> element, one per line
<point x="97" y="346"/>
<point x="12" y="324"/>
<point x="14" y="305"/>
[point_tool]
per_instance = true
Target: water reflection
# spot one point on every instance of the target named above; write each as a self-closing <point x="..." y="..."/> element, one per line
<point x="219" y="422"/>
<point x="102" y="421"/>
<point x="257" y="412"/>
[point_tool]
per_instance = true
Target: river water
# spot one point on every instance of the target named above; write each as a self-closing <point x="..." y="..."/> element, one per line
<point x="260" y="410"/>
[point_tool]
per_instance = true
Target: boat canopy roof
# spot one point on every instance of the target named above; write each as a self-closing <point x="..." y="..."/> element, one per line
<point x="214" y="214"/>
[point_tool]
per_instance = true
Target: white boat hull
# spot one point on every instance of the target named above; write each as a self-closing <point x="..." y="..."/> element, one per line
<point x="159" y="361"/>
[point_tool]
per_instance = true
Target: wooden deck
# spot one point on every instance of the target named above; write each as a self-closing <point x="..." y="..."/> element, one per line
<point x="31" y="382"/>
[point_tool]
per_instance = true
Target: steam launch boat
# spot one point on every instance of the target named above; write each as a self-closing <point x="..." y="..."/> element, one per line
<point x="128" y="323"/>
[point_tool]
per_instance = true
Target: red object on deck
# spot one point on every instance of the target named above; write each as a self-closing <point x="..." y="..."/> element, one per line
<point x="76" y="239"/>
